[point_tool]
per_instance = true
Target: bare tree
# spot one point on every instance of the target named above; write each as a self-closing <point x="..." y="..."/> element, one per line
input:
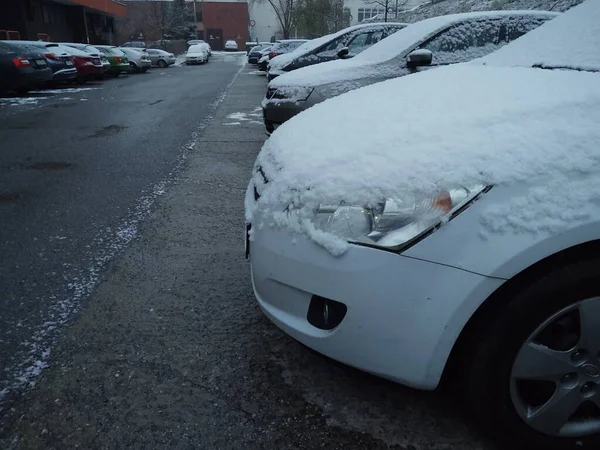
<point x="284" y="10"/>
<point x="388" y="6"/>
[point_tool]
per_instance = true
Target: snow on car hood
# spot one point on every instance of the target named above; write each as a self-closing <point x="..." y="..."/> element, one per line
<point x="458" y="125"/>
<point x="372" y="61"/>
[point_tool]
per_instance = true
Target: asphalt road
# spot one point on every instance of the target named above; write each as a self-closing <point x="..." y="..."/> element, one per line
<point x="78" y="170"/>
<point x="169" y="348"/>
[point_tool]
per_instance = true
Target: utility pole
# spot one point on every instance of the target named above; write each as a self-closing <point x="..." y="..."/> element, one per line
<point x="195" y="21"/>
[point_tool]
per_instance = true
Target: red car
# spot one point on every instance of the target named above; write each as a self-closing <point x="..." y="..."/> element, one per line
<point x="88" y="66"/>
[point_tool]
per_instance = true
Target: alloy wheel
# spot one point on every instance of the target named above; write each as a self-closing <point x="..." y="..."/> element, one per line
<point x="555" y="377"/>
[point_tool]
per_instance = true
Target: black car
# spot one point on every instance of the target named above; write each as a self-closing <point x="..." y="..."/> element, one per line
<point x="58" y="59"/>
<point x="22" y="69"/>
<point x="255" y="53"/>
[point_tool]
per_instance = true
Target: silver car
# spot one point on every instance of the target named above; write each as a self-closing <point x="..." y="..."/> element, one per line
<point x="139" y="60"/>
<point x="161" y="58"/>
<point x="420" y="46"/>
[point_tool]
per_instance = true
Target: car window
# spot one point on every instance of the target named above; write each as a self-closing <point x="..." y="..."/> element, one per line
<point x="153" y="52"/>
<point x="476" y="38"/>
<point x="332" y="48"/>
<point x="363" y="40"/>
<point x="104" y="50"/>
<point x="464" y="41"/>
<point x="515" y="27"/>
<point x="117" y="52"/>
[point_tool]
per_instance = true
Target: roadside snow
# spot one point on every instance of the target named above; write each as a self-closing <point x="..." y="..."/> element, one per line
<point x="459" y="125"/>
<point x="21" y="101"/>
<point x="62" y="91"/>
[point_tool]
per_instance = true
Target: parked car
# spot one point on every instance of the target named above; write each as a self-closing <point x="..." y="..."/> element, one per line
<point x="344" y="44"/>
<point x="201" y="42"/>
<point x="231" y="45"/>
<point x="263" y="60"/>
<point x="119" y="63"/>
<point x="59" y="61"/>
<point x="139" y="60"/>
<point x="22" y="68"/>
<point x="420" y="46"/>
<point x="446" y="226"/>
<point x="251" y="45"/>
<point x="88" y="67"/>
<point x="255" y="53"/>
<point x="94" y="52"/>
<point x="285" y="46"/>
<point x="196" y="54"/>
<point x="134" y="44"/>
<point x="161" y="58"/>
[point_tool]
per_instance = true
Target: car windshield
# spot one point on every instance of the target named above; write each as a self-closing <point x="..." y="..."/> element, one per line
<point x="196" y="49"/>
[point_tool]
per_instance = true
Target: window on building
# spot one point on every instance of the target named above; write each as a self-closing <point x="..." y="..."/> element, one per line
<point x="367" y="13"/>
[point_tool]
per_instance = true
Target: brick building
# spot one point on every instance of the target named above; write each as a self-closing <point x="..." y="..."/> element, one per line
<point x="216" y="22"/>
<point x="60" y="20"/>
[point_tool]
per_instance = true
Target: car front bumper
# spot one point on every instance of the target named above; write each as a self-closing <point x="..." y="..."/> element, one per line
<point x="403" y="314"/>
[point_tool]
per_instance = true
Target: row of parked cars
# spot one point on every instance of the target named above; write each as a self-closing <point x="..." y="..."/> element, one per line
<point x="25" y="65"/>
<point x="436" y="219"/>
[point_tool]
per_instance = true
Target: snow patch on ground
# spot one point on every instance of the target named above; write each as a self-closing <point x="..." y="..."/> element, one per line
<point x="63" y="91"/>
<point x="21" y="101"/>
<point x="245" y="117"/>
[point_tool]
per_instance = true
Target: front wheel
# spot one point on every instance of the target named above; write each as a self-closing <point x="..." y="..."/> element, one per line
<point x="162" y="64"/>
<point x="535" y="368"/>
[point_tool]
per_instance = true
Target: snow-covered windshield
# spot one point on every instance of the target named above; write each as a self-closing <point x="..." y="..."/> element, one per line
<point x="571" y="42"/>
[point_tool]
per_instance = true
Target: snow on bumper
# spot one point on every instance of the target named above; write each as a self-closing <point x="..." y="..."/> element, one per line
<point x="403" y="315"/>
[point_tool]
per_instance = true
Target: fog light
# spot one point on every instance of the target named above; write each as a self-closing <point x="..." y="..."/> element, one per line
<point x="324" y="313"/>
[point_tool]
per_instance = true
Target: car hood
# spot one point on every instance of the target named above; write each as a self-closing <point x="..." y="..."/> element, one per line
<point x="195" y="53"/>
<point x="458" y="125"/>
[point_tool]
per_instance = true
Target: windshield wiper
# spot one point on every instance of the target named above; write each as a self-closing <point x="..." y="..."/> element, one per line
<point x="551" y="67"/>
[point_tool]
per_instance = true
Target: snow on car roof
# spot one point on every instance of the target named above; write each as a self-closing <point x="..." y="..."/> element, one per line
<point x="386" y="49"/>
<point x="458" y="125"/>
<point x="572" y="41"/>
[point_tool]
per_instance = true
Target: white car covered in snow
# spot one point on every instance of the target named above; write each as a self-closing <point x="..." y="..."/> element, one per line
<point x="231" y="45"/>
<point x="449" y="223"/>
<point x="196" y="54"/>
<point x="424" y="45"/>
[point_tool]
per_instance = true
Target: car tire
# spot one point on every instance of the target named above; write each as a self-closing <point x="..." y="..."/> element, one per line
<point x="162" y="64"/>
<point x="501" y="356"/>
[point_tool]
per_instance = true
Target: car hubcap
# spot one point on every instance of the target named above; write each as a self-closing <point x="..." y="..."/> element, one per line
<point x="555" y="378"/>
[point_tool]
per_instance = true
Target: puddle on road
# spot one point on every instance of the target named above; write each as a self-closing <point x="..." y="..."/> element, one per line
<point x="7" y="197"/>
<point x="49" y="165"/>
<point x="110" y="130"/>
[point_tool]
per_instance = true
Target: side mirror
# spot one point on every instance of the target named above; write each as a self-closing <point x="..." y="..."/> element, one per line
<point x="343" y="52"/>
<point x="419" y="57"/>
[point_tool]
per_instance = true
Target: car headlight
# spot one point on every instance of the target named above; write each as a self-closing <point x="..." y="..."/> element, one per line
<point x="395" y="222"/>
